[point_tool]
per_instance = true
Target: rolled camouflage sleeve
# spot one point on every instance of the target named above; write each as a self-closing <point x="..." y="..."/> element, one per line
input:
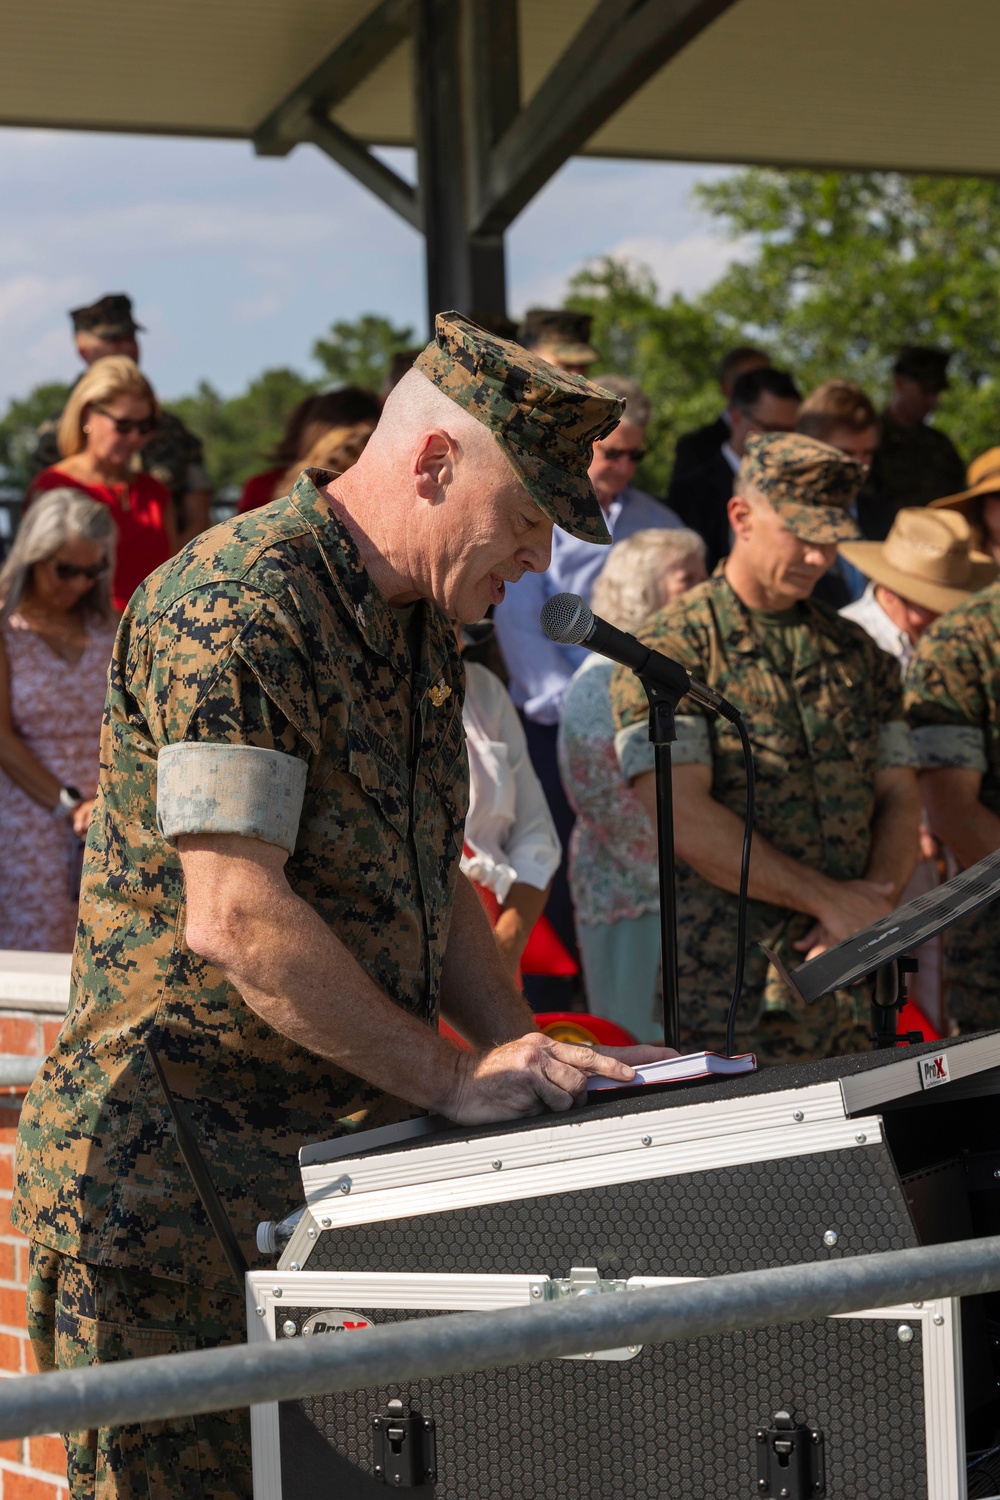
<point x="630" y="708"/>
<point x="235" y="716"/>
<point x="946" y="700"/>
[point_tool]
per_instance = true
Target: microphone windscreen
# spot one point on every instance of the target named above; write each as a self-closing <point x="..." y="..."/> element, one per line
<point x="566" y="619"/>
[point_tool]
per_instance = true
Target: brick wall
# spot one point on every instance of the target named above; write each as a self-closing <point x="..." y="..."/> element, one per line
<point x="30" y="1468"/>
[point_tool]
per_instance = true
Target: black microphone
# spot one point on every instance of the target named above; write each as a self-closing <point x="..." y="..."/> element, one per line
<point x="567" y="619"/>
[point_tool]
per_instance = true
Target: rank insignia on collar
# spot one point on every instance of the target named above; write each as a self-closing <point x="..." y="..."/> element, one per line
<point x="439" y="693"/>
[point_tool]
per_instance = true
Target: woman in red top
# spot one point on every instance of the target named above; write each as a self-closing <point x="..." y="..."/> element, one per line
<point x="109" y="415"/>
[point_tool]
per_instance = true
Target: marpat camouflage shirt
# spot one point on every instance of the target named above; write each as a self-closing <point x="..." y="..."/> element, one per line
<point x="263" y="632"/>
<point x="819" y="731"/>
<point x="953" y="706"/>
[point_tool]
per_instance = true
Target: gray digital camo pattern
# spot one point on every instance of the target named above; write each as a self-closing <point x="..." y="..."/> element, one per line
<point x="544" y="419"/>
<point x="811" y="485"/>
<point x="240" y="789"/>
<point x="815" y="739"/>
<point x="80" y="1315"/>
<point x="264" y="631"/>
<point x="953" y="705"/>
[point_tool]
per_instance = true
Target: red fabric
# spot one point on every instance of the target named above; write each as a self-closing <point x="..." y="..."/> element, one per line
<point x="544" y="952"/>
<point x="259" y="490"/>
<point x="139" y="510"/>
<point x="912" y="1018"/>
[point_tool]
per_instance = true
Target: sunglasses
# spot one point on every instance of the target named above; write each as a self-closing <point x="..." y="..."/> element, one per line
<point x="125" y="425"/>
<point x="68" y="571"/>
<point x="634" y="455"/>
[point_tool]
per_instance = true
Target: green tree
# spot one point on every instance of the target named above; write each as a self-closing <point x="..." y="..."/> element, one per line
<point x="360" y="352"/>
<point x="19" y="427"/>
<point x="850" y="265"/>
<point x="671" y="348"/>
<point x="240" y="432"/>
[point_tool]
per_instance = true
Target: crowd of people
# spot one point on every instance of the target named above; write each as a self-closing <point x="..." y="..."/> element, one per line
<point x="827" y="566"/>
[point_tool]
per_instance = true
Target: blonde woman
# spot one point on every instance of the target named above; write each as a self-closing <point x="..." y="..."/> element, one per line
<point x="108" y="417"/>
<point x="612" y="850"/>
<point x="56" y="633"/>
<point x="335" y="448"/>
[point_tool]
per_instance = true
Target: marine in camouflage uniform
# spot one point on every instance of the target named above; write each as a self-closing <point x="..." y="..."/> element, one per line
<point x="953" y="706"/>
<point x="172" y="454"/>
<point x="823" y="709"/>
<point x="260" y="685"/>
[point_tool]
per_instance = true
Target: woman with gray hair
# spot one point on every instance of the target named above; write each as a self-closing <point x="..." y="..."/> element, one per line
<point x="56" y="634"/>
<point x="612" y="851"/>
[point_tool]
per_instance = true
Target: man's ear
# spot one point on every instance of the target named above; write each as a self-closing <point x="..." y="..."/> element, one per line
<point x="433" y="465"/>
<point x="740" y="513"/>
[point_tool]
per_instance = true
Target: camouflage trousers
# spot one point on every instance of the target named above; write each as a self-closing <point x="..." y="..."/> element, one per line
<point x="973" y="1008"/>
<point x="80" y="1314"/>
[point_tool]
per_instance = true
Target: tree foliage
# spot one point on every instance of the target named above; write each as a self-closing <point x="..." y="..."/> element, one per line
<point x="851" y="265"/>
<point x="360" y="353"/>
<point x="239" y="433"/>
<point x="19" y="427"/>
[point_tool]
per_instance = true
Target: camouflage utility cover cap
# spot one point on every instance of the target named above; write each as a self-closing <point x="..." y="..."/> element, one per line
<point x="109" y="318"/>
<point x="811" y="485"/>
<point x="566" y="333"/>
<point x="544" y="419"/>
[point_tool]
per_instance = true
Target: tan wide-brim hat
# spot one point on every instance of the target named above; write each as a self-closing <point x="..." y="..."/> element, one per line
<point x="927" y="558"/>
<point x="984" y="479"/>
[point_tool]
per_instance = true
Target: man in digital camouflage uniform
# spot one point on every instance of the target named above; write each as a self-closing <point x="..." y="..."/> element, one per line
<point x="172" y="454"/>
<point x="953" y="706"/>
<point x="271" y="892"/>
<point x="837" y="806"/>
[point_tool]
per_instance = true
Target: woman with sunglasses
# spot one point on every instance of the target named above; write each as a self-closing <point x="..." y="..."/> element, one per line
<point x="109" y="415"/>
<point x="57" y="630"/>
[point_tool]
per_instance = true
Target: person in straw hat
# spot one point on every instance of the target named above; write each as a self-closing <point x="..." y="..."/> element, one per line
<point x="925" y="567"/>
<point x="980" y="503"/>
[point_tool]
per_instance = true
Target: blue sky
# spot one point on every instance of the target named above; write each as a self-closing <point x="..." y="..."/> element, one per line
<point x="237" y="263"/>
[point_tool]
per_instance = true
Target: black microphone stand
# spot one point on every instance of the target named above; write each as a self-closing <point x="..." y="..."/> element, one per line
<point x="663" y="703"/>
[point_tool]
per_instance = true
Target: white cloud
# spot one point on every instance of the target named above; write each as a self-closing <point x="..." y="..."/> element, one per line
<point x="689" y="266"/>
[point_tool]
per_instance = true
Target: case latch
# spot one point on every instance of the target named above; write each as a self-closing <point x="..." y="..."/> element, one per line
<point x="790" y="1460"/>
<point x="405" y="1449"/>
<point x="585" y="1281"/>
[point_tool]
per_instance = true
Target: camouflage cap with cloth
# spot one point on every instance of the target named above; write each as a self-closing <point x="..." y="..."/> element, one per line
<point x="108" y="318"/>
<point x="811" y="485"/>
<point x="544" y="419"/>
<point x="566" y="333"/>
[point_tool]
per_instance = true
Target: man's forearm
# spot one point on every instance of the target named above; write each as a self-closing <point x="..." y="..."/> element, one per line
<point x="710" y="839"/>
<point x="963" y="823"/>
<point x="895" y="843"/>
<point x="478" y="996"/>
<point x="298" y="977"/>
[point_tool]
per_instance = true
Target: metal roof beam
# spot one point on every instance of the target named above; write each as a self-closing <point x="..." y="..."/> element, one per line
<point x="348" y="65"/>
<point x="617" y="50"/>
<point x="354" y="156"/>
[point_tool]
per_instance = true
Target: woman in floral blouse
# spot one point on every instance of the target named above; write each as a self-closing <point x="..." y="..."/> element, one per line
<point x="612" y="852"/>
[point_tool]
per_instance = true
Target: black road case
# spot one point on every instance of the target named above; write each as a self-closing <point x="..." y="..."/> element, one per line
<point x="848" y="1157"/>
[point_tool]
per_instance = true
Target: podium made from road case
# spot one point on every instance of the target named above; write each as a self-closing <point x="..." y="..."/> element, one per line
<point x="860" y="1154"/>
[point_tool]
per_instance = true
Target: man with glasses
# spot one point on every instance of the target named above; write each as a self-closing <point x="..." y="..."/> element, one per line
<point x="172" y="454"/>
<point x="539" y="670"/>
<point x="762" y="401"/>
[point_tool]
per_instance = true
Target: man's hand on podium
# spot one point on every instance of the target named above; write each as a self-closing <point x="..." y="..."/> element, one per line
<point x="535" y="1073"/>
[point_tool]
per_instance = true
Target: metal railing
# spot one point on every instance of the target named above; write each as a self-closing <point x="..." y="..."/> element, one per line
<point x="17" y="1071"/>
<point x="177" y="1385"/>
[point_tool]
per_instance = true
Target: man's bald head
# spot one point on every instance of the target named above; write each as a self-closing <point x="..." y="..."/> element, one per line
<point x="438" y="511"/>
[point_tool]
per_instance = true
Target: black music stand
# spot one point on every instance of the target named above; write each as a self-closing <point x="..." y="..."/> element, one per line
<point x="878" y="953"/>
